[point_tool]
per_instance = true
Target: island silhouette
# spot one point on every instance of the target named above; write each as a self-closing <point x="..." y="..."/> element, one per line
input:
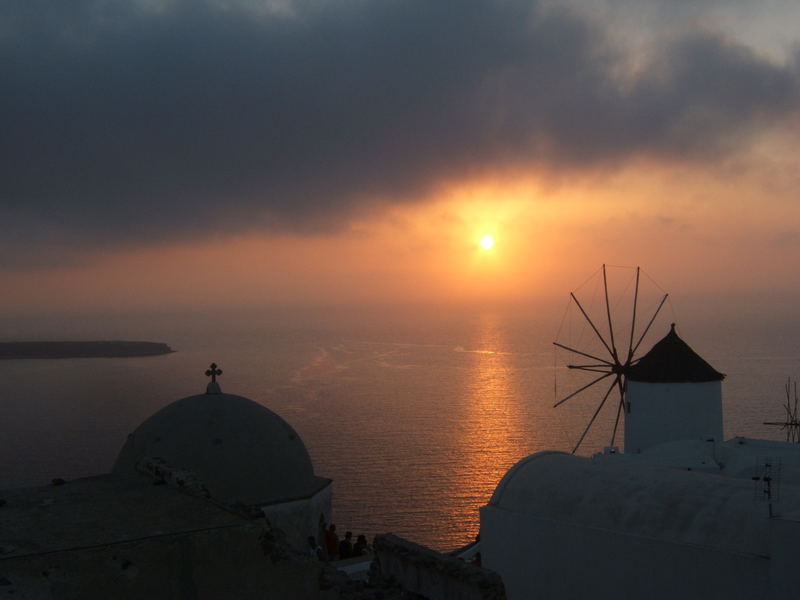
<point x="93" y="349"/>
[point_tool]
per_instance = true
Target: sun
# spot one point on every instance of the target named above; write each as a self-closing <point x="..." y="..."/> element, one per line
<point x="487" y="242"/>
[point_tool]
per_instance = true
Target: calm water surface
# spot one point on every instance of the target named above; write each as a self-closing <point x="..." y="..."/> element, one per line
<point x="415" y="418"/>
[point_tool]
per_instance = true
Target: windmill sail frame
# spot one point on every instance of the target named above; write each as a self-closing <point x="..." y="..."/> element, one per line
<point x="613" y="366"/>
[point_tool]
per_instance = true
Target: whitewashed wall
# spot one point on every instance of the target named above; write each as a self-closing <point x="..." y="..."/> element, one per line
<point x="299" y="519"/>
<point x="663" y="412"/>
<point x="545" y="559"/>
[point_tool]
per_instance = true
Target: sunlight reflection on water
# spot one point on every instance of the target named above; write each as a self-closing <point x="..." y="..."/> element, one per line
<point x="415" y="422"/>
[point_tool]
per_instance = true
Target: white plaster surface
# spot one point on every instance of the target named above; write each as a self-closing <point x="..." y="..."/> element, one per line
<point x="116" y="536"/>
<point x="663" y="412"/>
<point x="560" y="526"/>
<point x="299" y="519"/>
<point x="242" y="451"/>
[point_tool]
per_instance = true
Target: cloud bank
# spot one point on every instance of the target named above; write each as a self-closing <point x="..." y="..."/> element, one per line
<point x="126" y="123"/>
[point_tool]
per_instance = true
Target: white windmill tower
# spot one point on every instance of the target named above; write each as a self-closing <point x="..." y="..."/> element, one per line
<point x="672" y="394"/>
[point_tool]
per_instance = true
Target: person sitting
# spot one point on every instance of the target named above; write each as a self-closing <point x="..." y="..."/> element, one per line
<point x="314" y="549"/>
<point x="346" y="546"/>
<point x="361" y="547"/>
<point x="332" y="542"/>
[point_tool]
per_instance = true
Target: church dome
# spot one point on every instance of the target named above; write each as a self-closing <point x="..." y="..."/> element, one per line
<point x="241" y="451"/>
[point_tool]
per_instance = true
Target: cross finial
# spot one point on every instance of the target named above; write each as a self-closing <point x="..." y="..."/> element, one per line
<point x="213" y="371"/>
<point x="213" y="386"/>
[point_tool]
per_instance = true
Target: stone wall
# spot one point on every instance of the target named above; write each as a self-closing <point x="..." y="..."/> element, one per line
<point x="429" y="574"/>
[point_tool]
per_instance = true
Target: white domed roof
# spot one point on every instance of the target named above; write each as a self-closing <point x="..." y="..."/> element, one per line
<point x="241" y="451"/>
<point x="638" y="499"/>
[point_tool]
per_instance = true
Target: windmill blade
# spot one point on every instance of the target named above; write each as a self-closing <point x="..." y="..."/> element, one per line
<point x="608" y="314"/>
<point x="633" y="320"/>
<point x="591" y="368"/>
<point x="646" y="329"/>
<point x="597" y="366"/>
<point x="585" y="387"/>
<point x="616" y="422"/>
<point x="602" y="360"/>
<point x="586" y="316"/>
<point x="594" y="416"/>
<point x="619" y="407"/>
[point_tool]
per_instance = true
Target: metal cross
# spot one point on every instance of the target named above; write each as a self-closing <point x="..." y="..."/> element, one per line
<point x="213" y="371"/>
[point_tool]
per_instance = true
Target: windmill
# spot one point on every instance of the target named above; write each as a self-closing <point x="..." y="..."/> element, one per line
<point x="610" y="361"/>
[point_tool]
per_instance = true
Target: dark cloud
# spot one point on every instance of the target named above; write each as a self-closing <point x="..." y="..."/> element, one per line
<point x="129" y="122"/>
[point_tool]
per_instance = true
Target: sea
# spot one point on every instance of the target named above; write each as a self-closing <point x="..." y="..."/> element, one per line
<point x="414" y="413"/>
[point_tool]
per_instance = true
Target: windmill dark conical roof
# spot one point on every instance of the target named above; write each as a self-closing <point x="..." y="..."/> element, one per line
<point x="671" y="360"/>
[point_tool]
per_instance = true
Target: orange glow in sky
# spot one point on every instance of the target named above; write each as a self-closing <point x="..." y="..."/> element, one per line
<point x="636" y="140"/>
<point x="553" y="235"/>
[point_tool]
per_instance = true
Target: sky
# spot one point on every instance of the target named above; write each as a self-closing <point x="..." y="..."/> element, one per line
<point x="176" y="154"/>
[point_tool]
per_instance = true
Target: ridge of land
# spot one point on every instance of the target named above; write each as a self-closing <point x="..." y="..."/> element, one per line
<point x="100" y="349"/>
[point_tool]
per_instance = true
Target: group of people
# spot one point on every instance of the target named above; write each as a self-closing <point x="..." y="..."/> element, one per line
<point x="332" y="548"/>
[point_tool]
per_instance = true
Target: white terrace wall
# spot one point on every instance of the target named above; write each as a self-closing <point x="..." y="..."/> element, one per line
<point x="551" y="560"/>
<point x="228" y="562"/>
<point x="784" y="536"/>
<point x="420" y="570"/>
<point x="299" y="519"/>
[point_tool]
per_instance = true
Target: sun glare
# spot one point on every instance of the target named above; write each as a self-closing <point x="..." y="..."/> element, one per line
<point x="487" y="242"/>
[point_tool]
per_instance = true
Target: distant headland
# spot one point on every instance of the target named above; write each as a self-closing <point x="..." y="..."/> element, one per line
<point x="109" y="349"/>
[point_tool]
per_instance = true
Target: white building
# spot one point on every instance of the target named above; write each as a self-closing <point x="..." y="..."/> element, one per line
<point x="565" y="527"/>
<point x="181" y="515"/>
<point x="678" y="515"/>
<point x="240" y="452"/>
<point x="672" y="394"/>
